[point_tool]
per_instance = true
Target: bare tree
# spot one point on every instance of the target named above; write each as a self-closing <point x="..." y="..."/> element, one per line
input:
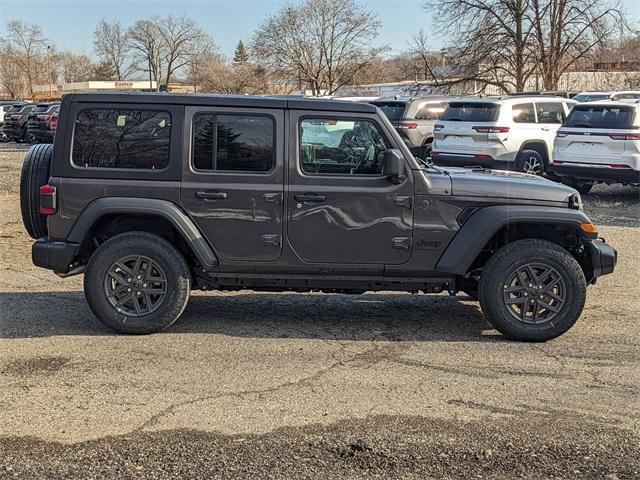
<point x="492" y="38"/>
<point x="419" y="48"/>
<point x="11" y="76"/>
<point x="72" y="67"/>
<point x="145" y="40"/>
<point x="568" y="30"/>
<point x="323" y="43"/>
<point x="111" y="44"/>
<point x="30" y="45"/>
<point x="215" y="74"/>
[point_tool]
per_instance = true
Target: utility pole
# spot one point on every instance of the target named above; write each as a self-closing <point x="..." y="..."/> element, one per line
<point x="49" y="71"/>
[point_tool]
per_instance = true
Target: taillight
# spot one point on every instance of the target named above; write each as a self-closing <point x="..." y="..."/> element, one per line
<point x="625" y="136"/>
<point x="53" y="123"/>
<point x="48" y="200"/>
<point x="16" y="117"/>
<point x="561" y="134"/>
<point x="406" y="125"/>
<point x="434" y="153"/>
<point x="437" y="128"/>
<point x="491" y="129"/>
<point x="44" y="117"/>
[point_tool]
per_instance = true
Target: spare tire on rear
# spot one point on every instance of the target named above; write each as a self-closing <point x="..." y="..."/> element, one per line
<point x="36" y="170"/>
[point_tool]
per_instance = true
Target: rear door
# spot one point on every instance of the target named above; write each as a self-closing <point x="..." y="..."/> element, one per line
<point x="232" y="183"/>
<point x="550" y="117"/>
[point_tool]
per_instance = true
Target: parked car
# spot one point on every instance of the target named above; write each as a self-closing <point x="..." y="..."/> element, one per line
<point x="599" y="142"/>
<point x="150" y="195"/>
<point x="509" y="133"/>
<point x="15" y="122"/>
<point x="42" y="123"/>
<point x="557" y="93"/>
<point x="414" y="118"/>
<point x="5" y="106"/>
<point x="617" y="95"/>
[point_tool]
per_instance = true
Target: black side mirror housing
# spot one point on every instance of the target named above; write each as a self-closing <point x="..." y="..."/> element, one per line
<point x="393" y="165"/>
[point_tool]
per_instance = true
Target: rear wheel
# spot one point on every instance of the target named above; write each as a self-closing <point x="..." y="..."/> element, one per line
<point x="581" y="186"/>
<point x="531" y="162"/>
<point x="36" y="169"/>
<point x="532" y="290"/>
<point x="137" y="283"/>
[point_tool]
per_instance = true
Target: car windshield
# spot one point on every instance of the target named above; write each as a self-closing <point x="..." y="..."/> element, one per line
<point x="42" y="108"/>
<point x="589" y="97"/>
<point x="600" y="116"/>
<point x="393" y="110"/>
<point x="471" y="112"/>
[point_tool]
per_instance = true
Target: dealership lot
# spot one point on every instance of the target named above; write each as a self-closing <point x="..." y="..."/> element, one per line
<point x="298" y="384"/>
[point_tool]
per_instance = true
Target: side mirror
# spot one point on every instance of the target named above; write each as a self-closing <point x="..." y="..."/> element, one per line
<point x="393" y="165"/>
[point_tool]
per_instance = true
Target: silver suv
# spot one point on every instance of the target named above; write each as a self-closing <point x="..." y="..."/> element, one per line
<point x="509" y="133"/>
<point x="414" y="119"/>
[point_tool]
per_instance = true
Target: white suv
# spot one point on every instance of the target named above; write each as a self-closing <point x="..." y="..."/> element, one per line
<point x="599" y="142"/>
<point x="595" y="96"/>
<point x="510" y="133"/>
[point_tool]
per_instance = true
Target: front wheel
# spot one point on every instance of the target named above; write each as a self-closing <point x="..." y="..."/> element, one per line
<point x="532" y="290"/>
<point x="137" y="283"/>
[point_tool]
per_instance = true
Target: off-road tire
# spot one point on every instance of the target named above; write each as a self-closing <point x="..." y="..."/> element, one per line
<point x="579" y="185"/>
<point x="529" y="157"/>
<point x="36" y="169"/>
<point x="516" y="255"/>
<point x="151" y="246"/>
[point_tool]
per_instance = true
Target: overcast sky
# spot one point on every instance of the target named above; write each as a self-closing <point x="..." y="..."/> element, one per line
<point x="70" y="23"/>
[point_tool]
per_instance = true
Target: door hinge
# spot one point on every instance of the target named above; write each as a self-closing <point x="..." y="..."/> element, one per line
<point x="272" y="197"/>
<point x="403" y="243"/>
<point x="271" y="239"/>
<point x="403" y="201"/>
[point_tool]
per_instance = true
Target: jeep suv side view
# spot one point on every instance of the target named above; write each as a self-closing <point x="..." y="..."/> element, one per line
<point x="151" y="195"/>
<point x="599" y="142"/>
<point x="510" y="133"/>
<point x="414" y="119"/>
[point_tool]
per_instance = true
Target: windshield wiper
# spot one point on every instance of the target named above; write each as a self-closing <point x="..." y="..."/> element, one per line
<point x="427" y="164"/>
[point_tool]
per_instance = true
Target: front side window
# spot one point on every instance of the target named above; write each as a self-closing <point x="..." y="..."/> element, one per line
<point x="600" y="116"/>
<point x="550" y="112"/>
<point x="241" y="143"/>
<point x="524" y="113"/>
<point x="343" y="147"/>
<point x="122" y="139"/>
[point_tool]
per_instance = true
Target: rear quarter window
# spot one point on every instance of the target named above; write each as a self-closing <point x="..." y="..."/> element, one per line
<point x="471" y="112"/>
<point x="122" y="139"/>
<point x="600" y="116"/>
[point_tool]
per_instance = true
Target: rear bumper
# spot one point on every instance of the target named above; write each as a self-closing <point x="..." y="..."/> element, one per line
<point x="56" y="256"/>
<point x="603" y="257"/>
<point x="596" y="173"/>
<point x="40" y="136"/>
<point x="463" y="160"/>
<point x="13" y="132"/>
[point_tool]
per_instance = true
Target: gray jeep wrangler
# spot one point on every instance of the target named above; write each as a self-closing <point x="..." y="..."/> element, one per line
<point x="151" y="195"/>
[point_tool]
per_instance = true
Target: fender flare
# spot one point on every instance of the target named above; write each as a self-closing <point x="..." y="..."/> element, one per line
<point x="146" y="206"/>
<point x="483" y="224"/>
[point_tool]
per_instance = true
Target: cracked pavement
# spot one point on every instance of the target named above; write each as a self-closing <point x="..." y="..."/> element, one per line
<point x="242" y="373"/>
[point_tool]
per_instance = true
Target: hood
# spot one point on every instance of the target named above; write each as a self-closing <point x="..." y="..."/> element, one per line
<point x="502" y="184"/>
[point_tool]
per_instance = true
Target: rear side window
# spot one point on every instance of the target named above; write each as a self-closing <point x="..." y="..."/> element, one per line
<point x="471" y="112"/>
<point x="550" y="112"/>
<point x="430" y="111"/>
<point x="588" y="97"/>
<point x="524" y="113"/>
<point x="393" y="110"/>
<point x="122" y="139"/>
<point x="240" y="143"/>
<point x="600" y="116"/>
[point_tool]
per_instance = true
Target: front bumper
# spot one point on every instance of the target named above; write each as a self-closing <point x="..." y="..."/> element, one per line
<point x="603" y="257"/>
<point x="53" y="255"/>
<point x="596" y="173"/>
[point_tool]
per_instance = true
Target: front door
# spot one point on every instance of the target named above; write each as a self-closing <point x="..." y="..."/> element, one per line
<point x="341" y="207"/>
<point x="232" y="185"/>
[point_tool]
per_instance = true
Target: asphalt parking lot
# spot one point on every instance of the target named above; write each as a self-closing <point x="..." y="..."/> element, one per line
<point x="253" y="385"/>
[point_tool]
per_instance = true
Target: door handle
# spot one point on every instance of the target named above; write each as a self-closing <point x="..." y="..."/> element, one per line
<point x="211" y="195"/>
<point x="309" y="197"/>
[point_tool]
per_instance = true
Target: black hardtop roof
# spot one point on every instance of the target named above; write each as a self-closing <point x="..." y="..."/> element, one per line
<point x="209" y="100"/>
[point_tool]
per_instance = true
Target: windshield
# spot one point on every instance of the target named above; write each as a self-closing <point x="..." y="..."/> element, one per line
<point x="471" y="112"/>
<point x="42" y="108"/>
<point x="588" y="97"/>
<point x="393" y="110"/>
<point x="600" y="116"/>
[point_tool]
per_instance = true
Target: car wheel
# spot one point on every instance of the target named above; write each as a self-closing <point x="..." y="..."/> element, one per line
<point x="532" y="290"/>
<point x="531" y="162"/>
<point x="137" y="283"/>
<point x="579" y="185"/>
